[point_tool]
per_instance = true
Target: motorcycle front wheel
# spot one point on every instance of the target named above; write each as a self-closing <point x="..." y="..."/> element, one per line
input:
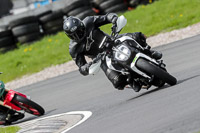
<point x="28" y="105"/>
<point x="151" y="69"/>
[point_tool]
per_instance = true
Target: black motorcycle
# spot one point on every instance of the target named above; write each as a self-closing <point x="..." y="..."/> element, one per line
<point x="125" y="55"/>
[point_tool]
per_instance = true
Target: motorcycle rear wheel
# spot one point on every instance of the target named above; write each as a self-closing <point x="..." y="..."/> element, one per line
<point x="152" y="69"/>
<point x="28" y="105"/>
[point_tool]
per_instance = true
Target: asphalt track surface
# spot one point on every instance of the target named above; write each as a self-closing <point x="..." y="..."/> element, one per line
<point x="170" y="109"/>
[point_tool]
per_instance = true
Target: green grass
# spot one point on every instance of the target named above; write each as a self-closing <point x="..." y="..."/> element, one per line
<point x="161" y="16"/>
<point x="11" y="129"/>
<point x="28" y="59"/>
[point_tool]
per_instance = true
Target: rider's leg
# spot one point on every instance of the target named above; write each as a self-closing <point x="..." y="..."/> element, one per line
<point x="14" y="116"/>
<point x="3" y="114"/>
<point x="7" y="115"/>
<point x="141" y="39"/>
<point x="118" y="80"/>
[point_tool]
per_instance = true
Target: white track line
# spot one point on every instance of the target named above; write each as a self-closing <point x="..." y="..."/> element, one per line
<point x="86" y="115"/>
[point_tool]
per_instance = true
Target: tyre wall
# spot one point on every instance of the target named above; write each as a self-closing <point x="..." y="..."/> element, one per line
<point x="46" y="20"/>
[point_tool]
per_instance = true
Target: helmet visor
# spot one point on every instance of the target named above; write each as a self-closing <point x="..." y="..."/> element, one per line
<point x="78" y="34"/>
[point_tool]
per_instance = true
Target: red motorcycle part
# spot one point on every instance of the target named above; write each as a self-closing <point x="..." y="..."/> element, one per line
<point x="9" y="97"/>
<point x="19" y="101"/>
<point x="28" y="105"/>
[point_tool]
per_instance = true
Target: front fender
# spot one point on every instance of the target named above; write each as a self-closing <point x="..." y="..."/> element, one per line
<point x="134" y="64"/>
<point x="8" y="99"/>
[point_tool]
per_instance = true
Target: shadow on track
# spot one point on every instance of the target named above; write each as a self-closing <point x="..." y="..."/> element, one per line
<point x="183" y="80"/>
<point x="32" y="117"/>
<point x="161" y="88"/>
<point x="149" y="92"/>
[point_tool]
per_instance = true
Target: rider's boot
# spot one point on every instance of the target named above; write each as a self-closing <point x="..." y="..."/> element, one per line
<point x="120" y="82"/>
<point x="156" y="55"/>
<point x="136" y="86"/>
<point x="13" y="116"/>
<point x="152" y="53"/>
<point x="141" y="38"/>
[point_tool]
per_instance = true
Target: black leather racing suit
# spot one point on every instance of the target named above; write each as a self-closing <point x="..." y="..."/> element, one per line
<point x="89" y="46"/>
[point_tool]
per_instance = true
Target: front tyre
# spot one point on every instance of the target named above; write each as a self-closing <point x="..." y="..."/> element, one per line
<point x="151" y="69"/>
<point x="28" y="105"/>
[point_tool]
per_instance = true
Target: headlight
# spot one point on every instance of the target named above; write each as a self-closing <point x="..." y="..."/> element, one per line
<point x="123" y="53"/>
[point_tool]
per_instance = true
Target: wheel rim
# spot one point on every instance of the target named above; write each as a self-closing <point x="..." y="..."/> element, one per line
<point x="27" y="108"/>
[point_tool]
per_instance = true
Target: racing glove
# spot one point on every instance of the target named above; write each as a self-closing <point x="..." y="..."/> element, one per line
<point x="112" y="17"/>
<point x="84" y="70"/>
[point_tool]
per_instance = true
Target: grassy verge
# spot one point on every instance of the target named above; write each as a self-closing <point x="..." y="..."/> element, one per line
<point x="11" y="129"/>
<point x="28" y="59"/>
<point x="161" y="16"/>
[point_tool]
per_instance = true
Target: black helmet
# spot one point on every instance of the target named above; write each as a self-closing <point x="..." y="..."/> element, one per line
<point x="74" y="28"/>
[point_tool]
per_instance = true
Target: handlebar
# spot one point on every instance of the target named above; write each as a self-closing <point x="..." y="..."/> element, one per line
<point x="114" y="33"/>
<point x="98" y="57"/>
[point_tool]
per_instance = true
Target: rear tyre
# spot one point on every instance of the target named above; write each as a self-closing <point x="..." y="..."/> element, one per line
<point x="5" y="33"/>
<point x="86" y="13"/>
<point x="53" y="30"/>
<point x="54" y="23"/>
<point x="43" y="12"/>
<point x="98" y="2"/>
<point x="49" y="17"/>
<point x="110" y="3"/>
<point x="22" y="21"/>
<point x="78" y="11"/>
<point x="152" y="69"/>
<point x="28" y="105"/>
<point x="117" y="8"/>
<point x="29" y="37"/>
<point x="72" y="6"/>
<point x="25" y="29"/>
<point x="6" y="41"/>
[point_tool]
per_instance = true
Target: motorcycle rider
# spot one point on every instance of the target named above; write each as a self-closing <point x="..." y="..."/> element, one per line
<point x="7" y="115"/>
<point x="85" y="40"/>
